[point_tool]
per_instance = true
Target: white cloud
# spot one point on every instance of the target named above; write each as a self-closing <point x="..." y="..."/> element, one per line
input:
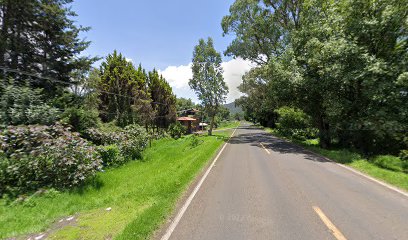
<point x="178" y="77"/>
<point x="233" y="72"/>
<point x="129" y="60"/>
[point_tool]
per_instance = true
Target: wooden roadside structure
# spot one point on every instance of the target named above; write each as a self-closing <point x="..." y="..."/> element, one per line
<point x="189" y="123"/>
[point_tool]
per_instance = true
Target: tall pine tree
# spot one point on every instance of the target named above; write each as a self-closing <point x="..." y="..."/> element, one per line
<point x="163" y="100"/>
<point x="122" y="90"/>
<point x="40" y="37"/>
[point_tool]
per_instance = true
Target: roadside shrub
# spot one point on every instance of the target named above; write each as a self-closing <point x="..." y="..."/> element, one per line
<point x="104" y="136"/>
<point x="134" y="141"/>
<point x="111" y="155"/>
<point x="37" y="156"/>
<point x="295" y="123"/>
<point x="109" y="126"/>
<point x="404" y="155"/>
<point x="131" y="140"/>
<point x="81" y="119"/>
<point x="389" y="162"/>
<point x="159" y="135"/>
<point x="194" y="141"/>
<point x="176" y="130"/>
<point x="404" y="158"/>
<point x="24" y="105"/>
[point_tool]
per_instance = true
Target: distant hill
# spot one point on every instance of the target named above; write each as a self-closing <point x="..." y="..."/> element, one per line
<point x="233" y="109"/>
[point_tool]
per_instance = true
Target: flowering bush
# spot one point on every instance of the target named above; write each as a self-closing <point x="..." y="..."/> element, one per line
<point x="103" y="137"/>
<point x="131" y="140"/>
<point x="35" y="156"/>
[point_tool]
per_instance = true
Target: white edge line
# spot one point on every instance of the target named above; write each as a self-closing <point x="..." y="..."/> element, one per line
<point x="183" y="209"/>
<point x="265" y="148"/>
<point x="375" y="180"/>
<point x="361" y="174"/>
<point x="395" y="189"/>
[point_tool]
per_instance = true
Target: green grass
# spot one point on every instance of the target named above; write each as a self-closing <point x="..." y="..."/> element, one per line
<point x="228" y="124"/>
<point x="385" y="168"/>
<point x="141" y="194"/>
<point x="398" y="179"/>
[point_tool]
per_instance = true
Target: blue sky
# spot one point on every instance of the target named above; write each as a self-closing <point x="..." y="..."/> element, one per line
<point x="158" y="34"/>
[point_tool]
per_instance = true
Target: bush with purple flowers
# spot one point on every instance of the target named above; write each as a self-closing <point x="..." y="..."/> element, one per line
<point x="36" y="156"/>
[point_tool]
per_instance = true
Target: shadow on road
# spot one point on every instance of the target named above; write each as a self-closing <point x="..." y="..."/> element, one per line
<point x="272" y="143"/>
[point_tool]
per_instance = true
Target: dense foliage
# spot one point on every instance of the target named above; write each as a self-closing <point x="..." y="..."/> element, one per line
<point x="81" y="119"/>
<point x="343" y="63"/>
<point x="163" y="100"/>
<point x="131" y="140"/>
<point x="24" y="105"/>
<point x="111" y="155"/>
<point x="121" y="87"/>
<point x="293" y="122"/>
<point x="36" y="156"/>
<point x="184" y="104"/>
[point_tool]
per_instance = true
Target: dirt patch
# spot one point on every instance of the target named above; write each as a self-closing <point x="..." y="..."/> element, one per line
<point x="59" y="224"/>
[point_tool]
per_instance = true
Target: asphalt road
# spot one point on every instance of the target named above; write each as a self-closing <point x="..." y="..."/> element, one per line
<point x="280" y="191"/>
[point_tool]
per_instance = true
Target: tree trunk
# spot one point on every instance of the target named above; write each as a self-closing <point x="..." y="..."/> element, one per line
<point x="211" y="125"/>
<point x="4" y="34"/>
<point x="324" y="133"/>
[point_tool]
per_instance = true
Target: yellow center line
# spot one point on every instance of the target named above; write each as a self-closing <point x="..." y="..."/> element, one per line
<point x="335" y="231"/>
<point x="265" y="148"/>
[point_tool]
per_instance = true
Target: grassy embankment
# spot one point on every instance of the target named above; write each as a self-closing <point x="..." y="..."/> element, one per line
<point x="385" y="168"/>
<point x="141" y="194"/>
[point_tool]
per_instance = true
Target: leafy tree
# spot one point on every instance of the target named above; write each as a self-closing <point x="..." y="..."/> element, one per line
<point x="144" y="112"/>
<point x="224" y="113"/>
<point x="238" y="116"/>
<point x="358" y="98"/>
<point x="293" y="122"/>
<point x="258" y="104"/>
<point x="261" y="30"/>
<point x="380" y="31"/>
<point x="207" y="81"/>
<point x="184" y="104"/>
<point x="90" y="89"/>
<point x="255" y="37"/>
